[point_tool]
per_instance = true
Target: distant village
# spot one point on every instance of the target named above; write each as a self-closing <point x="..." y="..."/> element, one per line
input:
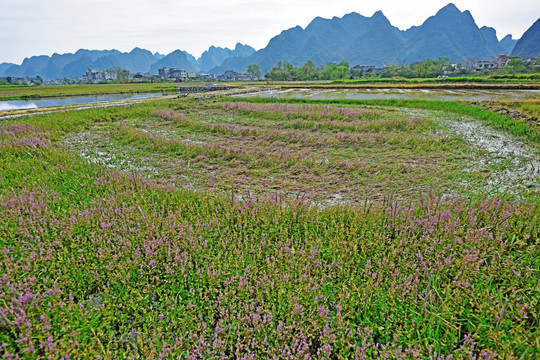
<point x="96" y="76"/>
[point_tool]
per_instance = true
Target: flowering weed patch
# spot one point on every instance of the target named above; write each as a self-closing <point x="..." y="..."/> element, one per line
<point x="100" y="262"/>
<point x="145" y="270"/>
<point x="23" y="136"/>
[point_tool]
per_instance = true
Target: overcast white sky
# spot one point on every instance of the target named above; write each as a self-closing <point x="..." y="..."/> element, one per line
<point x="35" y="27"/>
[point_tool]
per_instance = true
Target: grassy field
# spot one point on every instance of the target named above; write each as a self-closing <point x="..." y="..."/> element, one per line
<point x="257" y="228"/>
<point x="403" y="84"/>
<point x="494" y="79"/>
<point x="495" y="82"/>
<point x="37" y="92"/>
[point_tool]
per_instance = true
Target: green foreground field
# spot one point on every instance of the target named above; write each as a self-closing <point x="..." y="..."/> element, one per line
<point x="249" y="228"/>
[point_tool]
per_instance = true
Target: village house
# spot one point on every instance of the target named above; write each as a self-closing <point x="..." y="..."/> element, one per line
<point x="173" y="73"/>
<point x="485" y="65"/>
<point x="142" y="76"/>
<point x="451" y="69"/>
<point x="95" y="76"/>
<point x="231" y="75"/>
<point x="207" y="76"/>
<point x="500" y="63"/>
<point x="364" y="68"/>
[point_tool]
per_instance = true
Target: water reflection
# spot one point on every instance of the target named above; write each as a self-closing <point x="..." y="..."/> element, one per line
<point x="5" y="105"/>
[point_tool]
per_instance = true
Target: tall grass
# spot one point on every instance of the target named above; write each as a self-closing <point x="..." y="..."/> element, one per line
<point x="103" y="263"/>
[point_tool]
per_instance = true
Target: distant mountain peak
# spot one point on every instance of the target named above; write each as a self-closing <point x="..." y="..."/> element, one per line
<point x="215" y="56"/>
<point x="240" y="46"/>
<point x="449" y="9"/>
<point x="379" y="17"/>
<point x="507" y="37"/>
<point x="488" y="29"/>
<point x="378" y="14"/>
<point x="374" y="41"/>
<point x="529" y="44"/>
<point x="508" y="44"/>
<point x="468" y="15"/>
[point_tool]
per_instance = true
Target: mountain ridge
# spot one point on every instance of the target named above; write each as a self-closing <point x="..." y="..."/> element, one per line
<point x="73" y="65"/>
<point x="529" y="44"/>
<point x="375" y="41"/>
<point x="353" y="37"/>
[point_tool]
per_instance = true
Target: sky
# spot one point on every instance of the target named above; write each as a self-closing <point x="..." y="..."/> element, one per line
<point x="38" y="27"/>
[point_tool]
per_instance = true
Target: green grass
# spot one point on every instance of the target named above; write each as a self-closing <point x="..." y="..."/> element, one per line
<point x="211" y="229"/>
<point x="516" y="127"/>
<point x="38" y="92"/>
<point x="495" y="79"/>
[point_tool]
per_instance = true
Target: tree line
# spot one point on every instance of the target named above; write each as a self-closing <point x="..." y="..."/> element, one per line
<point x="429" y="68"/>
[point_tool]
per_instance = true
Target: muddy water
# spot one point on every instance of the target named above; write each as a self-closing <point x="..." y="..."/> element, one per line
<point x="512" y="164"/>
<point x="404" y="94"/>
<point x="518" y="165"/>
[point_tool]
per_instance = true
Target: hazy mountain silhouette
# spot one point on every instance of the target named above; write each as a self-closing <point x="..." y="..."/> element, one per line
<point x="529" y="45"/>
<point x="507" y="43"/>
<point x="374" y="41"/>
<point x="176" y="59"/>
<point x="138" y="60"/>
<point x="215" y="56"/>
<point x="4" y="67"/>
<point x="355" y="38"/>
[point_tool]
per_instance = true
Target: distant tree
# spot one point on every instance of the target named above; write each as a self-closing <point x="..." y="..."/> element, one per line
<point x="535" y="66"/>
<point x="334" y="71"/>
<point x="123" y="75"/>
<point x="356" y="73"/>
<point x="515" y="66"/>
<point x="282" y="71"/>
<point x="329" y="72"/>
<point x="308" y="71"/>
<point x="277" y="73"/>
<point x="343" y="70"/>
<point x="254" y="71"/>
<point x="37" y="80"/>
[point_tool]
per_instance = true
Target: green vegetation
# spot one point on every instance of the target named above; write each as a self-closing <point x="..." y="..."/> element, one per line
<point x="36" y="92"/>
<point x="492" y="79"/>
<point x="252" y="228"/>
<point x="429" y="70"/>
<point x="515" y="126"/>
<point x="254" y="71"/>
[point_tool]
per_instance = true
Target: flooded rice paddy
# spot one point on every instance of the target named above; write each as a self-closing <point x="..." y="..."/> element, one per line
<point x="403" y="94"/>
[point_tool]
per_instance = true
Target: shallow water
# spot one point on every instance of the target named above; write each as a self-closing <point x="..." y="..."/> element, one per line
<point x="72" y="100"/>
<point x="404" y="94"/>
